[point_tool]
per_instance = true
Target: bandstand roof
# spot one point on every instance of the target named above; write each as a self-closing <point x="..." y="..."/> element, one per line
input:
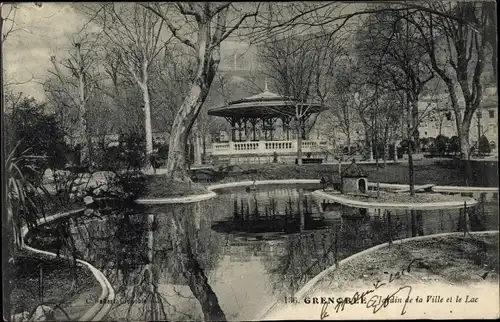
<point x="264" y="105"/>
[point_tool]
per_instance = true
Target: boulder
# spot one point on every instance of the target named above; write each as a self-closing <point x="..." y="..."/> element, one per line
<point x="43" y="313"/>
<point x="21" y="317"/>
<point x="88" y="200"/>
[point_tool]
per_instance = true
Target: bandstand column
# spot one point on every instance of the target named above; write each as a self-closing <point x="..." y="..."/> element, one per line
<point x="286" y="127"/>
<point x="247" y="136"/>
<point x="233" y="129"/>
<point x="239" y="129"/>
<point x="271" y="123"/>
<point x="254" y="122"/>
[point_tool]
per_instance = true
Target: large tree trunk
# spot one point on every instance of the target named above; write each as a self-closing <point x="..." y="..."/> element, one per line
<point x="85" y="138"/>
<point x="463" y="136"/>
<point x="412" y="123"/>
<point x="208" y="63"/>
<point x="194" y="274"/>
<point x="183" y="122"/>
<point x="348" y="142"/>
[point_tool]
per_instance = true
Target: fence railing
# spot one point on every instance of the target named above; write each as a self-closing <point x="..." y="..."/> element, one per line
<point x="266" y="147"/>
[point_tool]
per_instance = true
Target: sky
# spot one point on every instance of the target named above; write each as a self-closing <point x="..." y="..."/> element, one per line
<point x="45" y="31"/>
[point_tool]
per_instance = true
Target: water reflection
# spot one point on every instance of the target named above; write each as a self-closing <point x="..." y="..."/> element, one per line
<point x="232" y="256"/>
<point x="259" y="213"/>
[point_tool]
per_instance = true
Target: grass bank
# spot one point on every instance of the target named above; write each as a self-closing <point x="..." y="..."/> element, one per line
<point x="44" y="280"/>
<point x="450" y="260"/>
<point x="161" y="187"/>
<point x="426" y="171"/>
<point x="438" y="271"/>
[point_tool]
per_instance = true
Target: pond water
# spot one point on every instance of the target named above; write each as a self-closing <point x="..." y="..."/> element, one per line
<point x="240" y="251"/>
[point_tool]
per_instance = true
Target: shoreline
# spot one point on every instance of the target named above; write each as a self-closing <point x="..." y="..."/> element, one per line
<point x="363" y="259"/>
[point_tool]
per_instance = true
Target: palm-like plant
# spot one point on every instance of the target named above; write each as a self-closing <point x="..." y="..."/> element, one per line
<point x="24" y="199"/>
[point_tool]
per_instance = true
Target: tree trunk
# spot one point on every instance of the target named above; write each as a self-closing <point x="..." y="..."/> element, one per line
<point x="299" y="141"/>
<point x="348" y="143"/>
<point x="371" y="150"/>
<point x="208" y="63"/>
<point x="184" y="120"/>
<point x="411" y="172"/>
<point x="463" y="136"/>
<point x="147" y="119"/>
<point x="194" y="274"/>
<point x="84" y="134"/>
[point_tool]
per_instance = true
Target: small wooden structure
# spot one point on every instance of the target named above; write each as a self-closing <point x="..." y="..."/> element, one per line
<point x="354" y="179"/>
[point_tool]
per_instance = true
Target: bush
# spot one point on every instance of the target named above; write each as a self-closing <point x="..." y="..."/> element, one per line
<point x="161" y="154"/>
<point x="129" y="154"/>
<point x="37" y="133"/>
<point x="404" y="144"/>
<point x="442" y="144"/>
<point x="484" y="146"/>
<point x="454" y="146"/>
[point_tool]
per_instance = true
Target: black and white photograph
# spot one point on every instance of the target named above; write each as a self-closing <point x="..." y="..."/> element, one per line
<point x="249" y="161"/>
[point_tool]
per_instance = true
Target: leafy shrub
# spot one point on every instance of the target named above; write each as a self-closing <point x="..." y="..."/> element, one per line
<point x="484" y="145"/>
<point x="30" y="128"/>
<point x="130" y="153"/>
<point x="454" y="145"/>
<point x="161" y="153"/>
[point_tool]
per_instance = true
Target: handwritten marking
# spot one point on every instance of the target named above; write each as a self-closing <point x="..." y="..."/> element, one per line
<point x="377" y="302"/>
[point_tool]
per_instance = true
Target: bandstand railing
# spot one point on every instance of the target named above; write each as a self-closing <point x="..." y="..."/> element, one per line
<point x="266" y="147"/>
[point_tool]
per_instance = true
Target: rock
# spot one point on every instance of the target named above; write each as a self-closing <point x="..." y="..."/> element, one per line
<point x="96" y="192"/>
<point x="88" y="212"/>
<point x="43" y="313"/>
<point x="23" y="316"/>
<point x="88" y="200"/>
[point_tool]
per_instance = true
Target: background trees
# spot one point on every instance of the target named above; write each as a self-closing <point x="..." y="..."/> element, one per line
<point x="72" y="88"/>
<point x="136" y="32"/>
<point x="458" y="50"/>
<point x="210" y="24"/>
<point x="302" y="69"/>
<point x="397" y="64"/>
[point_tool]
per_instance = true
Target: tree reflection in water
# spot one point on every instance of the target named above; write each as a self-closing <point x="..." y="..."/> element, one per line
<point x="284" y="211"/>
<point x="155" y="259"/>
<point x="177" y="262"/>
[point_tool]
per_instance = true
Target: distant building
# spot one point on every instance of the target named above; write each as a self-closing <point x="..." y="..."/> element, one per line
<point x="441" y="118"/>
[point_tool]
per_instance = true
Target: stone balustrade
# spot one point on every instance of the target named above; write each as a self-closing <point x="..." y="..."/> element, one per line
<point x="266" y="147"/>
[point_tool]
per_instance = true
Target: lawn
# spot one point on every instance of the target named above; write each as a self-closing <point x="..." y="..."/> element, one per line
<point x="426" y="171"/>
<point x="437" y="270"/>
<point x="390" y="197"/>
<point x="57" y="277"/>
<point x="161" y="187"/>
<point x="450" y="259"/>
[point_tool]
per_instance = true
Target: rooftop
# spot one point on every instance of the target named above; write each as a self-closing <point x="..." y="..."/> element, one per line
<point x="354" y="171"/>
<point x="265" y="104"/>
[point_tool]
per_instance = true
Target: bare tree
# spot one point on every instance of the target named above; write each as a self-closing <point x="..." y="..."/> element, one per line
<point x="301" y="68"/>
<point x="124" y="94"/>
<point x="399" y="64"/>
<point x="80" y="86"/>
<point x="202" y="27"/>
<point x="169" y="80"/>
<point x="458" y="54"/>
<point x="137" y="34"/>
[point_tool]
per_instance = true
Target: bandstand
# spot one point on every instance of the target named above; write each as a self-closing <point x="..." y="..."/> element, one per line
<point x="262" y="129"/>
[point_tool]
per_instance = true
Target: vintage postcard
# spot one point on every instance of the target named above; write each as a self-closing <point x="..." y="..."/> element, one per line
<point x="249" y="161"/>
